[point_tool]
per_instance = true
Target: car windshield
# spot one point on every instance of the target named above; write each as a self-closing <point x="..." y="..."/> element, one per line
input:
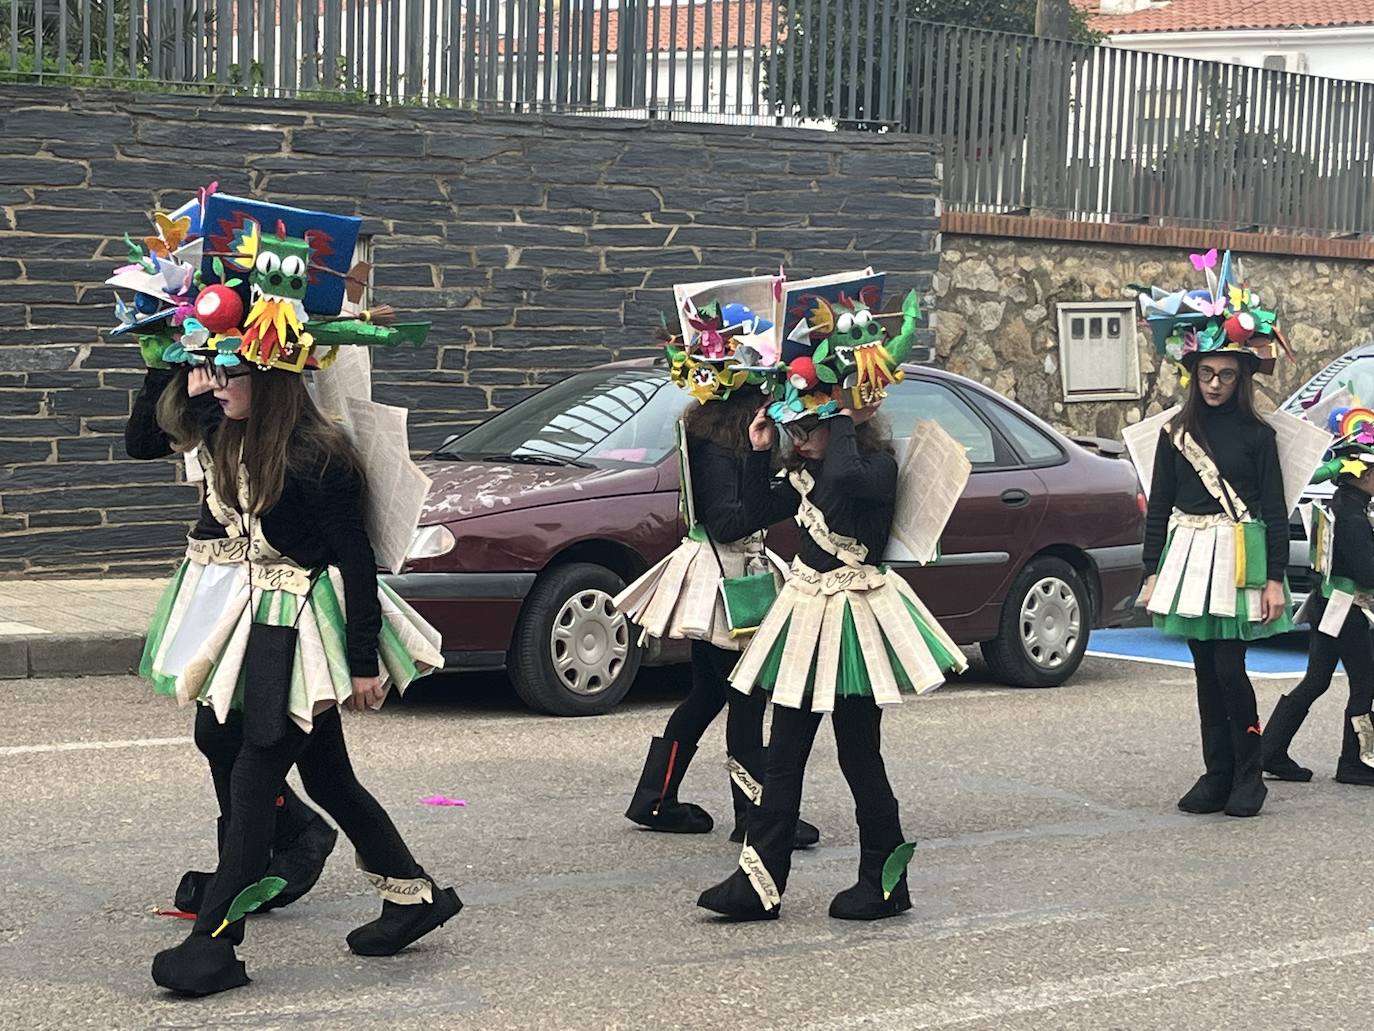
<point x="604" y="417"/>
<point x="1353" y="372"/>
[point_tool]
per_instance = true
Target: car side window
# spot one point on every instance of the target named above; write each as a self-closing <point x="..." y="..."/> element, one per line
<point x="1035" y="447"/>
<point x="914" y="399"/>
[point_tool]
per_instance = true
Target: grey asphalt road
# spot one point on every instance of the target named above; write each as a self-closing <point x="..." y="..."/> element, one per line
<point x="1055" y="885"/>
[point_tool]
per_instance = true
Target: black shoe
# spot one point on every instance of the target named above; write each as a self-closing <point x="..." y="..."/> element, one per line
<point x="807" y="834"/>
<point x="1247" y="789"/>
<point x="1278" y="735"/>
<point x="300" y="862"/>
<point x="200" y="965"/>
<point x="1349" y="769"/>
<point x="655" y="803"/>
<point x="1213" y="789"/>
<point x="399" y="925"/>
<point x="771" y="837"/>
<point x="191" y="890"/>
<point x="879" y="835"/>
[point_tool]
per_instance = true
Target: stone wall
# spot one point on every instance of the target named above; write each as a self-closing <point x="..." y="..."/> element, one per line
<point x="534" y="246"/>
<point x="996" y="318"/>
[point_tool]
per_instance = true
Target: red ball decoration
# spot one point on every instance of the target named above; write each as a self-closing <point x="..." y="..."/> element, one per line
<point x="801" y="373"/>
<point x="1240" y="327"/>
<point x="219" y="308"/>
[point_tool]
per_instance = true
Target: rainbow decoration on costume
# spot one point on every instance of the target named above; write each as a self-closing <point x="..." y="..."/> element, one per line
<point x="1353" y="420"/>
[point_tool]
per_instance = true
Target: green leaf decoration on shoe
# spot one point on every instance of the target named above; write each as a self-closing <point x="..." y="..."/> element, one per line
<point x="895" y="865"/>
<point x="252" y="897"/>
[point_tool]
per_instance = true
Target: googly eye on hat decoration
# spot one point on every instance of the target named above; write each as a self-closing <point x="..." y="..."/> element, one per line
<point x="1225" y="317"/>
<point x="837" y="349"/>
<point x="228" y="280"/>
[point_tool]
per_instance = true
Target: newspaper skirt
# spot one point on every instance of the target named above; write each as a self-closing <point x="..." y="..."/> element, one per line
<point x="1196" y="596"/>
<point x="199" y="634"/>
<point x="853" y="632"/>
<point x="680" y="598"/>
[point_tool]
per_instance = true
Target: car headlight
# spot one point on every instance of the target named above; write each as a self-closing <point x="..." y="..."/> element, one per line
<point x="431" y="542"/>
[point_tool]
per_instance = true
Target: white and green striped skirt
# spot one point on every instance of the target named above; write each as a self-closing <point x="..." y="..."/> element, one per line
<point x="199" y="634"/>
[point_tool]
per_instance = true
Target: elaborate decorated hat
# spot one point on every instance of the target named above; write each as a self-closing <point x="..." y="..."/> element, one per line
<point x="241" y="283"/>
<point x="1352" y="452"/>
<point x="837" y="351"/>
<point x="1226" y="316"/>
<point x="728" y="335"/>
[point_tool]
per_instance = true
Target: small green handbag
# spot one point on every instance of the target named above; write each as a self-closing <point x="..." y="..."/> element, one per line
<point x="747" y="600"/>
<point x="1252" y="553"/>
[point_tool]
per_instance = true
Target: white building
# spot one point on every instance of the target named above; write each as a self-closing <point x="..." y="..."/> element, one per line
<point x="1321" y="37"/>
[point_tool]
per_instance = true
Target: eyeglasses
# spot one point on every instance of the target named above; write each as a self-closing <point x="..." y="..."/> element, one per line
<point x="799" y="433"/>
<point x="1227" y="376"/>
<point x="222" y="374"/>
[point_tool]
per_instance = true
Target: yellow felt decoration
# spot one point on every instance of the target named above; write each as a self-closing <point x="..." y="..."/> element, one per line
<point x="1353" y="466"/>
<point x="1240" y="555"/>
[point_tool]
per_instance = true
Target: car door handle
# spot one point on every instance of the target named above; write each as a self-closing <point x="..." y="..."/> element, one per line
<point x="1015" y="498"/>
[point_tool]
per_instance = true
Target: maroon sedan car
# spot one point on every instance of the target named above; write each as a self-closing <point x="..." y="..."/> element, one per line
<point x="538" y="517"/>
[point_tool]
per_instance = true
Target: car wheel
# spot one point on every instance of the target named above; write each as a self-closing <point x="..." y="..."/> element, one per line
<point x="573" y="654"/>
<point x="1045" y="624"/>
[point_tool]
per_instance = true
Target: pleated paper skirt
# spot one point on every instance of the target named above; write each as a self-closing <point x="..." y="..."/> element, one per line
<point x="679" y="598"/>
<point x="1195" y="594"/>
<point x="854" y="632"/>
<point x="199" y="633"/>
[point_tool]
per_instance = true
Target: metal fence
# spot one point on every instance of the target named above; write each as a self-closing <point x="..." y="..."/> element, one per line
<point x="1028" y="125"/>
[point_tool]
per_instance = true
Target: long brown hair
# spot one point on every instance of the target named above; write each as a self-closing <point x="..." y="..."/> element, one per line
<point x="873" y="435"/>
<point x="284" y="433"/>
<point x="725" y="423"/>
<point x="173" y="415"/>
<point x="1190" y="419"/>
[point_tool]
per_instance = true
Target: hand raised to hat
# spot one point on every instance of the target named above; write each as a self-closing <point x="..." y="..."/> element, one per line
<point x="762" y="432"/>
<point x="863" y="415"/>
<point x="199" y="382"/>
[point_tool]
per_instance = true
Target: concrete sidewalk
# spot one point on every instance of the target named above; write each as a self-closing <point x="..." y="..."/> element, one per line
<point x="54" y="628"/>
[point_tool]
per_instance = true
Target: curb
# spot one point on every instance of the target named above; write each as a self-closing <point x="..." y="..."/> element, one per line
<point x="70" y="655"/>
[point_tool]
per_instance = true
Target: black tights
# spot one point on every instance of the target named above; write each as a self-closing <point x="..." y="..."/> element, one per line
<point x="1352" y="647"/>
<point x="221" y="743"/>
<point x="858" y="739"/>
<point x="710" y="693"/>
<point x="1225" y="696"/>
<point x="328" y="777"/>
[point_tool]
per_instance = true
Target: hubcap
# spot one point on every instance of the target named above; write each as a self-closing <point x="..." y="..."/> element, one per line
<point x="1050" y="623"/>
<point x="590" y="643"/>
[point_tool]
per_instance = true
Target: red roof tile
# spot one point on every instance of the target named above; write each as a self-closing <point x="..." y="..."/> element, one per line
<point x="720" y="10"/>
<point x="1201" y="15"/>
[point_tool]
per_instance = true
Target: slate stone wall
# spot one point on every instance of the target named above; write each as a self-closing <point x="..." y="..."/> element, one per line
<point x="536" y="246"/>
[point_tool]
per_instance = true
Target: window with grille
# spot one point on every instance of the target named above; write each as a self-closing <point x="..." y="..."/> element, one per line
<point x="1098" y="360"/>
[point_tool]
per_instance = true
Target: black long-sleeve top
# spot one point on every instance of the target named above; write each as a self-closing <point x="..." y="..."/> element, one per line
<point x="855" y="490"/>
<point x="317" y="522"/>
<point x="1352" y="546"/>
<point x="1246" y="453"/>
<point x="721" y="484"/>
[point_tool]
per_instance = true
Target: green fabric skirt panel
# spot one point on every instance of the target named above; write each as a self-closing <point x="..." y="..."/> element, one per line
<point x="1208" y="627"/>
<point x="199" y="635"/>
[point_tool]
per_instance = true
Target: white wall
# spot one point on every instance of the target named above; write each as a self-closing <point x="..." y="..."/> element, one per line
<point x="1342" y="53"/>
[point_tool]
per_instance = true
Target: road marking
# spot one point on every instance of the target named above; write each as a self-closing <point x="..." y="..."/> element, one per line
<point x="998" y="1005"/>
<point x="95" y="746"/>
<point x="1179" y="664"/>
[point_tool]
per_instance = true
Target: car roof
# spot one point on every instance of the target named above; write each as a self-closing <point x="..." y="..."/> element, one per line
<point x="1293" y="403"/>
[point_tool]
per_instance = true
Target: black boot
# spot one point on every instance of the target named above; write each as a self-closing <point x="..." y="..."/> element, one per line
<point x="1278" y="734"/>
<point x="191" y="888"/>
<point x="300" y="860"/>
<point x="1247" y="786"/>
<point x="201" y="965"/>
<point x="1213" y="788"/>
<point x="744" y="786"/>
<point x="1349" y="770"/>
<point x="768" y="854"/>
<point x="879" y="836"/>
<point x="408" y="918"/>
<point x="655" y="803"/>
